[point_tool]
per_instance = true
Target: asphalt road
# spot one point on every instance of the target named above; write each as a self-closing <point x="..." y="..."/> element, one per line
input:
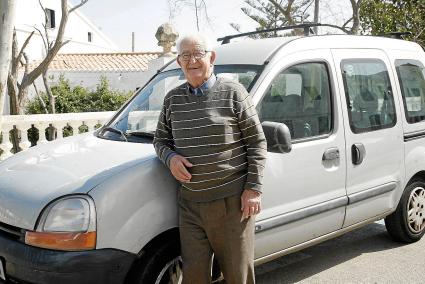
<point x="367" y="255"/>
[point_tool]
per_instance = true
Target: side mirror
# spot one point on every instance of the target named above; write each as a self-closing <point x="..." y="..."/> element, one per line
<point x="278" y="137"/>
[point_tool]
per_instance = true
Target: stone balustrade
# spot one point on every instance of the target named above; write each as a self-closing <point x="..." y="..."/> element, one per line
<point x="90" y="120"/>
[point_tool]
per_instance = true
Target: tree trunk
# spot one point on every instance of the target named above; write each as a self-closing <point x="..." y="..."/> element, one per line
<point x="356" y="16"/>
<point x="13" y="94"/>
<point x="316" y="15"/>
<point x="7" y="13"/>
<point x="43" y="104"/>
<point x="49" y="92"/>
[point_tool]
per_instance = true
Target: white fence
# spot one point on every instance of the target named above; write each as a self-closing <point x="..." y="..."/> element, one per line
<point x="43" y="121"/>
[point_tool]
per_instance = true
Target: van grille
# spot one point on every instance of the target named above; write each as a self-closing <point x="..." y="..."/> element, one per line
<point x="12" y="232"/>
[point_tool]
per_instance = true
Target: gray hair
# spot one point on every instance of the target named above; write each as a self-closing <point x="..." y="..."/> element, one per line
<point x="195" y="38"/>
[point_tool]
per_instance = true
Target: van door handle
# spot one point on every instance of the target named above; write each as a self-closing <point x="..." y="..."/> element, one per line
<point x="331" y="154"/>
<point x="358" y="152"/>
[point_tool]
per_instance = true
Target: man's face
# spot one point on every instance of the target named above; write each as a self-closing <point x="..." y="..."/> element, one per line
<point x="196" y="62"/>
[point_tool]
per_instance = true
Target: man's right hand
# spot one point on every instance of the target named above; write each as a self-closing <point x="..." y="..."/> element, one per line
<point x="178" y="167"/>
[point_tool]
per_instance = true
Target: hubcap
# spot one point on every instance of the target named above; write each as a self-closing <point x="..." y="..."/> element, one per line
<point x="171" y="273"/>
<point x="415" y="209"/>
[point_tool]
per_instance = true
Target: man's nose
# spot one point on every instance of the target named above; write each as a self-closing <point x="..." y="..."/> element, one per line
<point x="192" y="59"/>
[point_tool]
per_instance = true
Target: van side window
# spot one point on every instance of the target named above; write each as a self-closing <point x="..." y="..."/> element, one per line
<point x="370" y="102"/>
<point x="411" y="77"/>
<point x="300" y="97"/>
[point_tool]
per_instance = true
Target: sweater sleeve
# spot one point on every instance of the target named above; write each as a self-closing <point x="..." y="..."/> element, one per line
<point x="163" y="140"/>
<point x="253" y="137"/>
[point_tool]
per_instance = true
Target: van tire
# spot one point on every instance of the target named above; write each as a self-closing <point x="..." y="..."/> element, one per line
<point x="397" y="223"/>
<point x="148" y="268"/>
<point x="154" y="261"/>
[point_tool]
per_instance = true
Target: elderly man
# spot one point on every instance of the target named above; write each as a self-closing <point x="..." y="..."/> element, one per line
<point x="210" y="137"/>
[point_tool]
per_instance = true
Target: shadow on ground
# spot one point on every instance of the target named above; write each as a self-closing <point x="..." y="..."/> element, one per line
<point x="300" y="265"/>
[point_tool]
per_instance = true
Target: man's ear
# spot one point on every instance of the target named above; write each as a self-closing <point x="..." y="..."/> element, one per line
<point x="212" y="57"/>
<point x="178" y="61"/>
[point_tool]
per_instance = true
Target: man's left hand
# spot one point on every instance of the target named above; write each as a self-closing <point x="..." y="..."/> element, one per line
<point x="250" y="203"/>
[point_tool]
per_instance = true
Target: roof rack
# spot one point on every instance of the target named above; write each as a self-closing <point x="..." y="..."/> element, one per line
<point x="397" y="35"/>
<point x="306" y="26"/>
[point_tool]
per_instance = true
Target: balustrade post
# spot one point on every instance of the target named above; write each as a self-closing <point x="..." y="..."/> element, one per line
<point x="75" y="125"/>
<point x="59" y="129"/>
<point x="102" y="121"/>
<point x="6" y="145"/>
<point x="25" y="143"/>
<point x="91" y="124"/>
<point x="41" y="122"/>
<point x="41" y="126"/>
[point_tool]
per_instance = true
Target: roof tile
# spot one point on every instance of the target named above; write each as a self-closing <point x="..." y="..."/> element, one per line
<point x="135" y="61"/>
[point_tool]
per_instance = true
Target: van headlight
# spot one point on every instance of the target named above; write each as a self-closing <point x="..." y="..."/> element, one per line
<point x="66" y="224"/>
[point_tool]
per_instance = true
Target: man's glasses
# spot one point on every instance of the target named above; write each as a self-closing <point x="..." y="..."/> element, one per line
<point x="186" y="56"/>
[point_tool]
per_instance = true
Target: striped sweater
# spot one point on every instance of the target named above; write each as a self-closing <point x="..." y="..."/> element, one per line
<point x="219" y="133"/>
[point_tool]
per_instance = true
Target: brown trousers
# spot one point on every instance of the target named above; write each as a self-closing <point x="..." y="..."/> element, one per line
<point x="215" y="227"/>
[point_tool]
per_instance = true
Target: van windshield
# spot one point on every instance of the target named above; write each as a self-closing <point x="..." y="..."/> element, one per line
<point x="137" y="120"/>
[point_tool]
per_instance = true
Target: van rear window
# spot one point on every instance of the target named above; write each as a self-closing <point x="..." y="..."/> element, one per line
<point x="370" y="102"/>
<point x="411" y="77"/>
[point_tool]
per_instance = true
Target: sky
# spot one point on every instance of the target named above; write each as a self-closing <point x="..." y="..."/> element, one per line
<point x="118" y="19"/>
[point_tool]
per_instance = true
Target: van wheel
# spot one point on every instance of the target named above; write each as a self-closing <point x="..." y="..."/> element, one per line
<point x="163" y="265"/>
<point x="407" y="223"/>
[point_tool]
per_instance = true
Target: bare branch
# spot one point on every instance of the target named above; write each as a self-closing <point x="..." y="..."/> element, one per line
<point x="14" y="62"/>
<point x="46" y="18"/>
<point x="27" y="80"/>
<point x="307" y="7"/>
<point x="64" y="43"/>
<point x="26" y="63"/>
<point x="346" y="22"/>
<point x="77" y="6"/>
<point x="419" y="34"/>
<point x="47" y="43"/>
<point x="286" y="12"/>
<point x="43" y="104"/>
<point x="19" y="56"/>
<point x="207" y="18"/>
<point x="42" y="37"/>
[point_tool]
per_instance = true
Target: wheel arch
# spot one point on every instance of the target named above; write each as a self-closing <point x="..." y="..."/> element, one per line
<point x="152" y="245"/>
<point x="417" y="176"/>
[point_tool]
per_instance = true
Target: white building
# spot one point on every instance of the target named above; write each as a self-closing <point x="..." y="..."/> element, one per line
<point x="84" y="36"/>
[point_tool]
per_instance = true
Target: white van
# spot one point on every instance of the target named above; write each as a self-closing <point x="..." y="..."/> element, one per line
<point x="344" y="118"/>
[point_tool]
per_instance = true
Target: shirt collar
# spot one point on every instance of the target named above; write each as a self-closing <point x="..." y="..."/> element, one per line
<point x="207" y="85"/>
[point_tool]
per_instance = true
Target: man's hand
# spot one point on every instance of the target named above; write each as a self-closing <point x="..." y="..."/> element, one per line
<point x="251" y="203"/>
<point x="178" y="167"/>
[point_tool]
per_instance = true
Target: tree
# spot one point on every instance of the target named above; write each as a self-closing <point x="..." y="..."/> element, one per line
<point x="381" y="17"/>
<point x="278" y="13"/>
<point x="198" y="6"/>
<point x="18" y="91"/>
<point x="7" y="11"/>
<point x="273" y="14"/>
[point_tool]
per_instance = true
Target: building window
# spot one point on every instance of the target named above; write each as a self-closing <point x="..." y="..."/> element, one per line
<point x="50" y="18"/>
<point x="89" y="37"/>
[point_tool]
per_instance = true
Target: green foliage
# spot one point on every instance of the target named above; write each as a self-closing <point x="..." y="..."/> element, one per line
<point x="380" y="17"/>
<point x="79" y="99"/>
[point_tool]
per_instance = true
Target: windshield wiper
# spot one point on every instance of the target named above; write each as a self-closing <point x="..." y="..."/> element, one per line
<point x="139" y="133"/>
<point x="115" y="130"/>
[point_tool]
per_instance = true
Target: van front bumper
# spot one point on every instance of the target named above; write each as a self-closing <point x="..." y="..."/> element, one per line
<point x="23" y="263"/>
